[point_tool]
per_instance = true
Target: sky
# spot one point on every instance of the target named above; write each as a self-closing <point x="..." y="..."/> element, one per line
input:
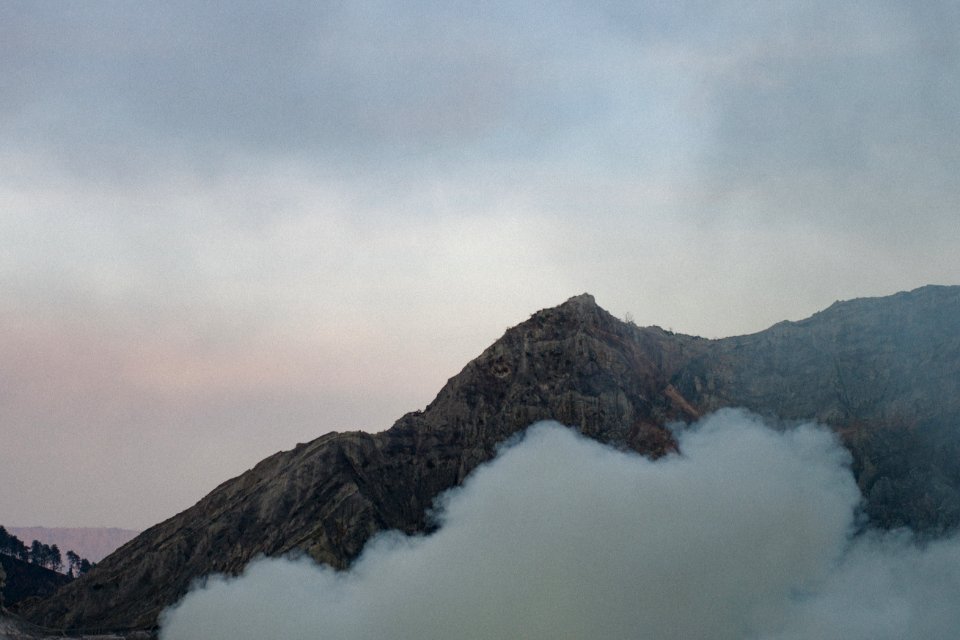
<point x="744" y="535"/>
<point x="231" y="227"/>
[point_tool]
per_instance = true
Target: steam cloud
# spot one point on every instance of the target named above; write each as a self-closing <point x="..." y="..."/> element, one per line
<point x="746" y="534"/>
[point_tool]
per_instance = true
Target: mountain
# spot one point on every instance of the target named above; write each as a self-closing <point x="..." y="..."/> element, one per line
<point x="92" y="543"/>
<point x="882" y="372"/>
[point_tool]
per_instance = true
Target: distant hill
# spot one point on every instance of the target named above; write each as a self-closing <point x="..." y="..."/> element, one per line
<point x="25" y="580"/>
<point x="92" y="543"/>
<point x="884" y="373"/>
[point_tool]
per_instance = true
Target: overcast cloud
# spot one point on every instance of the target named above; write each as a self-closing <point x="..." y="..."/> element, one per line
<point x="231" y="227"/>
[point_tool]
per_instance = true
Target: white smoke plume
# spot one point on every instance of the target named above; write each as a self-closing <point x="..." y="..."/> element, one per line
<point x="744" y="535"/>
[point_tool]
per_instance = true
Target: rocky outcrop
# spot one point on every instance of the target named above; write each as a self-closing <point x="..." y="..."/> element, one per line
<point x="883" y="372"/>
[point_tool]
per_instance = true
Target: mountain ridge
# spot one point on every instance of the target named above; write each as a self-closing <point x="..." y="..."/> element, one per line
<point x="574" y="363"/>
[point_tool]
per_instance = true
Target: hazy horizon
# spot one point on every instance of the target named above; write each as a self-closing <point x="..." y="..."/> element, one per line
<point x="92" y="543"/>
<point x="231" y="228"/>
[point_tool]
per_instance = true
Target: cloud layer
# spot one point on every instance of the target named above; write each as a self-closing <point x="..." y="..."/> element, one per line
<point x="270" y="198"/>
<point x="746" y="534"/>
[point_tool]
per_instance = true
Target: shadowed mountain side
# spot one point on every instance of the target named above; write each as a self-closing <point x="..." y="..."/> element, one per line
<point x="26" y="580"/>
<point x="883" y="372"/>
<point x="575" y="363"/>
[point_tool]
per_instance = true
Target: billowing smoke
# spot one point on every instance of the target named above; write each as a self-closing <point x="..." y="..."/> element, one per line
<point x="746" y="534"/>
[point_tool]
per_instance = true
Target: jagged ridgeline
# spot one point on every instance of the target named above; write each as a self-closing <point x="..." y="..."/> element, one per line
<point x="884" y="373"/>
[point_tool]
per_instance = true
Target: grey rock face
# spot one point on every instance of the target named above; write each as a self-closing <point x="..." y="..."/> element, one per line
<point x="885" y="373"/>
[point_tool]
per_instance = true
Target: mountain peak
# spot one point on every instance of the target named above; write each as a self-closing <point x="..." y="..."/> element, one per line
<point x="578" y="307"/>
<point x="580" y="310"/>
<point x="582" y="300"/>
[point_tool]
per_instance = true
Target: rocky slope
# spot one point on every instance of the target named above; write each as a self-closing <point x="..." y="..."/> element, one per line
<point x="883" y="372"/>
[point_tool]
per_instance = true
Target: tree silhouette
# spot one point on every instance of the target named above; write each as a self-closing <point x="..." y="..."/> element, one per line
<point x="11" y="545"/>
<point x="42" y="555"/>
<point x="54" y="559"/>
<point x="38" y="554"/>
<point x="73" y="564"/>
